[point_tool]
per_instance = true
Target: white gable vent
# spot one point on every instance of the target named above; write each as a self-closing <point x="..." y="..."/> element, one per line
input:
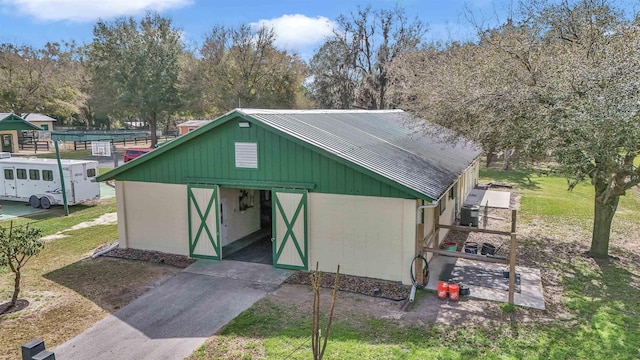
<point x="247" y="155"/>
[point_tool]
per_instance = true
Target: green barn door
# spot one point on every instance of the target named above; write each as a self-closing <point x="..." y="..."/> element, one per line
<point x="204" y="238"/>
<point x="290" y="250"/>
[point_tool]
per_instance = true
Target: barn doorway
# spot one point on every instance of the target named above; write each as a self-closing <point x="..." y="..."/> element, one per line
<point x="246" y="225"/>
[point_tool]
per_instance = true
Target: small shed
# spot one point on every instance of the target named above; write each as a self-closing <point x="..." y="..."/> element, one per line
<point x="330" y="186"/>
<point x="10" y="125"/>
<point x="43" y="121"/>
<point x="190" y="125"/>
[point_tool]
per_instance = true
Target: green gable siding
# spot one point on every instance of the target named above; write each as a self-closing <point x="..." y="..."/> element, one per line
<point x="210" y="158"/>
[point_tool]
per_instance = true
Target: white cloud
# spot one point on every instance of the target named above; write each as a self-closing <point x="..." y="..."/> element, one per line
<point x="298" y="32"/>
<point x="88" y="10"/>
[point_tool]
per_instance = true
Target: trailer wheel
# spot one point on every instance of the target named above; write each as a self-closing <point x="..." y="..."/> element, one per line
<point x="34" y="201"/>
<point x="45" y="203"/>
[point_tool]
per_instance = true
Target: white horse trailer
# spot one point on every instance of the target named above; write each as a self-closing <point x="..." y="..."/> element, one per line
<point x="37" y="181"/>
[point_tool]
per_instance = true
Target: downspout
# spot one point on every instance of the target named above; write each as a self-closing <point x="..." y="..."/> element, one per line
<point x="420" y="208"/>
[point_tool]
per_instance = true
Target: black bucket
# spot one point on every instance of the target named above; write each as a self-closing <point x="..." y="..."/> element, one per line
<point x="471" y="247"/>
<point x="488" y="249"/>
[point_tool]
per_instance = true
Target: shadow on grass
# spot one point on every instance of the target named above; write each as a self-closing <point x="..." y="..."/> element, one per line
<point x="601" y="296"/>
<point x="109" y="282"/>
<point x="519" y="178"/>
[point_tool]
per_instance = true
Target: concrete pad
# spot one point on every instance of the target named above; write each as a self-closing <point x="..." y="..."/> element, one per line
<point x="489" y="198"/>
<point x="229" y="269"/>
<point x="176" y="317"/>
<point x="13" y="209"/>
<point x="531" y="294"/>
<point x="107" y="191"/>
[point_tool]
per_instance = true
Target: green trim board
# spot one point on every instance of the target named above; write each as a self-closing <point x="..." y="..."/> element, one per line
<point x="305" y="162"/>
<point x="249" y="184"/>
<point x="287" y="234"/>
<point x="207" y="224"/>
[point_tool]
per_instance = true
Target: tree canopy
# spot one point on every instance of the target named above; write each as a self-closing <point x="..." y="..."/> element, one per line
<point x="241" y="67"/>
<point x="39" y="80"/>
<point x="560" y="81"/>
<point x="350" y="70"/>
<point x="135" y="66"/>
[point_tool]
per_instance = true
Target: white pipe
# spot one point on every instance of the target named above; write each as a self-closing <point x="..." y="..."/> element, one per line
<point x="102" y="252"/>
<point x="422" y="207"/>
<point x="412" y="295"/>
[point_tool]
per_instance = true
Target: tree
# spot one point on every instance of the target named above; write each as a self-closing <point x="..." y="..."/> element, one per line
<point x="17" y="246"/>
<point x="318" y="344"/>
<point x="561" y="81"/>
<point x="241" y="67"/>
<point x="474" y="90"/>
<point x="39" y="80"/>
<point x="135" y="67"/>
<point x="593" y="113"/>
<point x="351" y="68"/>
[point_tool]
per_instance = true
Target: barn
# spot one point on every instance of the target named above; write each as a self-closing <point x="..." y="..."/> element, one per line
<point x="344" y="187"/>
<point x="10" y="125"/>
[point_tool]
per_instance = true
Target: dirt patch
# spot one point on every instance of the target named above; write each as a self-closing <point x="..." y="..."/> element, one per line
<point x="106" y="219"/>
<point x="20" y="305"/>
<point x="365" y="286"/>
<point x="156" y="257"/>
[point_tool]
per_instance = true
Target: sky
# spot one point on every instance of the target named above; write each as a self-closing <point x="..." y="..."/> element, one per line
<point x="301" y="25"/>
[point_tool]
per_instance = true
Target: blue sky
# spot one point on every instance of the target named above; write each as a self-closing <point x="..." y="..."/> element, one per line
<point x="301" y="25"/>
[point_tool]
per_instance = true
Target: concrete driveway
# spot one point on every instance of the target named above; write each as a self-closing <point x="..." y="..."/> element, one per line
<point x="176" y="317"/>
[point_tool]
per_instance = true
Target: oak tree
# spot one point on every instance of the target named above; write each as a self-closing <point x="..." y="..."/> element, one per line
<point x="135" y="66"/>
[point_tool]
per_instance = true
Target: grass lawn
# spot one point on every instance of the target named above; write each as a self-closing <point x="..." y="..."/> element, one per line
<point x="592" y="306"/>
<point x="66" y="293"/>
<point x="65" y="154"/>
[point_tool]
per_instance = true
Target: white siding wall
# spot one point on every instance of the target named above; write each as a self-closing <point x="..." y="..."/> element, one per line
<point x="153" y="216"/>
<point x="466" y="182"/>
<point x="367" y="236"/>
<point x="238" y="224"/>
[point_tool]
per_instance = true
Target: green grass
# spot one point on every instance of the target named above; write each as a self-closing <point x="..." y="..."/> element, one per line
<point x="54" y="220"/>
<point x="548" y="197"/>
<point x="68" y="154"/>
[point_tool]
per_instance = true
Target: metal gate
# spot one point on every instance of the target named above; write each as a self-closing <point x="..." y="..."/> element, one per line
<point x="290" y="248"/>
<point x="204" y="237"/>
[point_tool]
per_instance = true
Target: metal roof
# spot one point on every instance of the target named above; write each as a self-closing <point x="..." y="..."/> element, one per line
<point x="38" y="117"/>
<point x="386" y="142"/>
<point x="195" y="123"/>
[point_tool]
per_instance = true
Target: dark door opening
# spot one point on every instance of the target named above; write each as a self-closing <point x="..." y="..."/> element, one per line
<point x="7" y="143"/>
<point x="257" y="246"/>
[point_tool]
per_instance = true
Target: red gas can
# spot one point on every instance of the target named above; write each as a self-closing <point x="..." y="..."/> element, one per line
<point x="443" y="289"/>
<point x="454" y="292"/>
